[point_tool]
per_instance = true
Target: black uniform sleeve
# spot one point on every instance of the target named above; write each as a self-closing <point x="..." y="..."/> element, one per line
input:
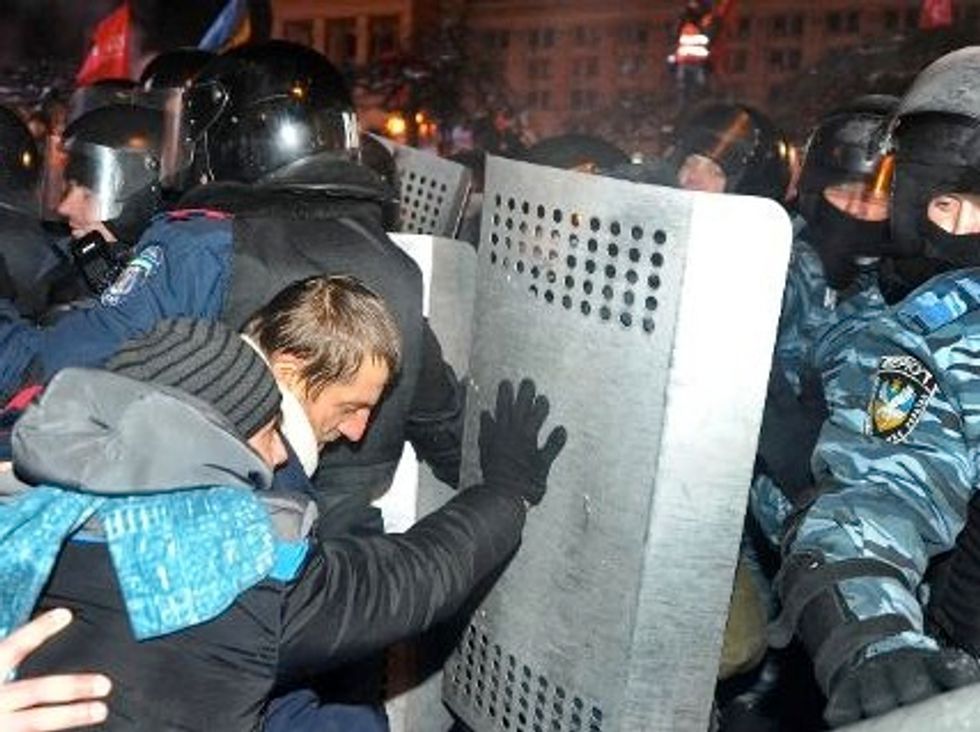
<point x="358" y="595"/>
<point x="790" y="427"/>
<point x="435" y="422"/>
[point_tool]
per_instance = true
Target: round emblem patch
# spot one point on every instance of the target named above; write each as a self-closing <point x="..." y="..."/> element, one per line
<point x="902" y="390"/>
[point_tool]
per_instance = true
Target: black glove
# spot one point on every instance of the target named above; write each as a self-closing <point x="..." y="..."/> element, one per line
<point x="897" y="678"/>
<point x="509" y="455"/>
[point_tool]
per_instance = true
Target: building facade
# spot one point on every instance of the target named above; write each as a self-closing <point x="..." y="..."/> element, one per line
<point x="595" y="65"/>
<point x="575" y="64"/>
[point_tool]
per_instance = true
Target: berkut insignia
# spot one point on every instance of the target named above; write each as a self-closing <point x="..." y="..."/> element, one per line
<point x="902" y="390"/>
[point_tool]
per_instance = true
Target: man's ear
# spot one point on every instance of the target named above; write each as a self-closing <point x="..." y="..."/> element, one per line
<point x="287" y="369"/>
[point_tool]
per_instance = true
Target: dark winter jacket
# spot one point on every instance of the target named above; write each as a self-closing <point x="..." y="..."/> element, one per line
<point x="349" y="597"/>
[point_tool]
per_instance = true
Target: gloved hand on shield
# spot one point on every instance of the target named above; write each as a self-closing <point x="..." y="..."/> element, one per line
<point x="510" y="457"/>
<point x="879" y="684"/>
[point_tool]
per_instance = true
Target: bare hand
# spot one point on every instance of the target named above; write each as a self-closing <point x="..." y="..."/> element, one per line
<point x="48" y="702"/>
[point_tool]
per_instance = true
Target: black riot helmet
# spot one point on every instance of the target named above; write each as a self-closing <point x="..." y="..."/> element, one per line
<point x="257" y="109"/>
<point x="936" y="136"/>
<point x="845" y="147"/>
<point x="18" y="155"/>
<point x="174" y="69"/>
<point x="573" y="151"/>
<point x="114" y="151"/>
<point x="744" y="143"/>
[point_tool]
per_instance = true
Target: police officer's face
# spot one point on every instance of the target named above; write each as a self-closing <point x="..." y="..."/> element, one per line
<point x="856" y="200"/>
<point x="80" y="206"/>
<point x="956" y="213"/>
<point x="700" y="173"/>
<point x="341" y="409"/>
<point x="267" y="442"/>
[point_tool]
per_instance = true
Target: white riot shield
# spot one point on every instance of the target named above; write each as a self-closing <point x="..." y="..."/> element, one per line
<point x="449" y="280"/>
<point x="647" y="316"/>
<point x="432" y="190"/>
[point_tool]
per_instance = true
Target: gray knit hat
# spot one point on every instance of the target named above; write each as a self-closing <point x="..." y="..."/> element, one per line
<point x="209" y="361"/>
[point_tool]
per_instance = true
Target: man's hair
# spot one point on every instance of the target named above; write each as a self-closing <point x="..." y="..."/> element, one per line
<point x="330" y="324"/>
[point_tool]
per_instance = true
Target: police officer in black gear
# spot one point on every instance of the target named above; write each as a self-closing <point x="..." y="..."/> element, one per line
<point x="174" y="69"/>
<point x="844" y="158"/>
<point x="273" y="128"/>
<point x="752" y="155"/>
<point x="24" y="242"/>
<point x="110" y="175"/>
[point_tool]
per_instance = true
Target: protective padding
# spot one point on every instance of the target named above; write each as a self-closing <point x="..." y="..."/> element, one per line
<point x="647" y="315"/>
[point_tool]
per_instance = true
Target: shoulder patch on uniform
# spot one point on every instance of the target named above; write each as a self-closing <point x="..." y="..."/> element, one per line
<point x="902" y="389"/>
<point x="136" y="273"/>
<point x="941" y="304"/>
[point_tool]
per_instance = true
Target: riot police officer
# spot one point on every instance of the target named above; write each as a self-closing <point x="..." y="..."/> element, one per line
<point x="108" y="188"/>
<point x="896" y="461"/>
<point x="831" y="291"/>
<point x="272" y="128"/>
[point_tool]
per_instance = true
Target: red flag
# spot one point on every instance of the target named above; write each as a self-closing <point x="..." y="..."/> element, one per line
<point x="936" y="14"/>
<point x="109" y="57"/>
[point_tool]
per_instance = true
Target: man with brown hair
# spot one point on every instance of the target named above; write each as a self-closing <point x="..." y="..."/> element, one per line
<point x="334" y="344"/>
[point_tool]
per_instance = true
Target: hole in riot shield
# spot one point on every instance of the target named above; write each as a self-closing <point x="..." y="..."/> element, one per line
<point x="607" y="292"/>
<point x="595" y="224"/>
<point x="569" y="282"/>
<point x="637" y="233"/>
<point x="626" y="319"/>
<point x="614" y="228"/>
<point x="535" y="272"/>
<point x="525" y="207"/>
<point x="576" y="219"/>
<point x="556" y="216"/>
<point x="590" y="266"/>
<point x="567" y="302"/>
<point x="511" y="204"/>
<point x="541" y="212"/>
<point x="613" y="250"/>
<point x="593" y="245"/>
<point x="660" y="236"/>
<point x="571" y="261"/>
<point x="493" y="257"/>
<point x="610" y="271"/>
<point x="628" y="297"/>
<point x="651" y="303"/>
<point x="657" y="259"/>
<point x="634" y="254"/>
<point x="520" y="266"/>
<point x="653" y="281"/>
<point x="632" y="276"/>
<point x="648" y="325"/>
<point x="573" y="241"/>
<point x="549" y="296"/>
<point x="604" y="313"/>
